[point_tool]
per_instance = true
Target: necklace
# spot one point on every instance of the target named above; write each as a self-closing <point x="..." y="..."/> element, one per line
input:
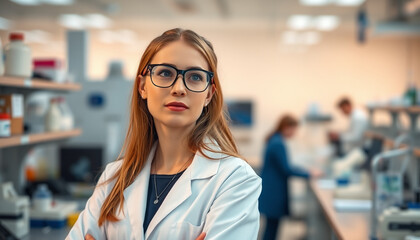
<point x="156" y="190"/>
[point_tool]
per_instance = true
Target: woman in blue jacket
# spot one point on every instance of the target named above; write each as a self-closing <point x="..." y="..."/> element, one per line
<point x="274" y="199"/>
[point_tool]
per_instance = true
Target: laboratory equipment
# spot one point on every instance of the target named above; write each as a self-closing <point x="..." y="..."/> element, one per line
<point x="348" y="162"/>
<point x="359" y="190"/>
<point x="357" y="186"/>
<point x="396" y="223"/>
<point x="54" y="217"/>
<point x="42" y="198"/>
<point x="14" y="211"/>
<point x="392" y="154"/>
<point x="50" y="68"/>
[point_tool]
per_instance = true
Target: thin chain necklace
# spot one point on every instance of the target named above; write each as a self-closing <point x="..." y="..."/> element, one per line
<point x="156" y="190"/>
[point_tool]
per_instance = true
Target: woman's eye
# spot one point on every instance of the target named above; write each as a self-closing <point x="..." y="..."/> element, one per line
<point x="196" y="77"/>
<point x="165" y="73"/>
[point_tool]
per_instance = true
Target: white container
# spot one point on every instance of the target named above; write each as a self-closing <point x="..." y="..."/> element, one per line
<point x="1" y="59"/>
<point x="4" y="125"/>
<point x="18" y="60"/>
<point x="67" y="120"/>
<point x="53" y="116"/>
<point x="42" y="198"/>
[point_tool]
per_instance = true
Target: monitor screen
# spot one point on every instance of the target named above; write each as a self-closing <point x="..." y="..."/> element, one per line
<point x="240" y="112"/>
<point x="80" y="164"/>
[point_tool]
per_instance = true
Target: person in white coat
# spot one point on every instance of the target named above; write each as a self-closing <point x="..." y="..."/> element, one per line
<point x="179" y="175"/>
<point x="353" y="137"/>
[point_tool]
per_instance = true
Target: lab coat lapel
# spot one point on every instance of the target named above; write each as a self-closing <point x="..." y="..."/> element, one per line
<point x="136" y="197"/>
<point x="201" y="167"/>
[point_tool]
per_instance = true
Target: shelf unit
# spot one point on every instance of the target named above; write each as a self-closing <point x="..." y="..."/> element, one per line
<point x="27" y="139"/>
<point x="389" y="141"/>
<point x="411" y="109"/>
<point x="39" y="84"/>
<point x="13" y="149"/>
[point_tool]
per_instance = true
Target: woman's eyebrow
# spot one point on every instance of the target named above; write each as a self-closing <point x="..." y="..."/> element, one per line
<point x="189" y="67"/>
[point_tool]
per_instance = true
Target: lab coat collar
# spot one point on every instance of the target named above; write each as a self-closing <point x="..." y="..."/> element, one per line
<point x="136" y="194"/>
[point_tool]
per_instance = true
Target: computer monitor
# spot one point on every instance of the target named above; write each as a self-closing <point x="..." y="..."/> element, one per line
<point x="240" y="112"/>
<point x="80" y="164"/>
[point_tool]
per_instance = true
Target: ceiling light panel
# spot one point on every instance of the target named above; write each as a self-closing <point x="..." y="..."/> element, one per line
<point x="97" y="21"/>
<point x="349" y="2"/>
<point x="326" y="22"/>
<point x="299" y="22"/>
<point x="26" y="2"/>
<point x="58" y="2"/>
<point x="315" y="2"/>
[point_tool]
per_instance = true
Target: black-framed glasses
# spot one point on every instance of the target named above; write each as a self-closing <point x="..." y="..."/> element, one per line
<point x="165" y="76"/>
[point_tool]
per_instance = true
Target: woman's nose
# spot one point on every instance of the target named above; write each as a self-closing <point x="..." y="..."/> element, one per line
<point x="179" y="88"/>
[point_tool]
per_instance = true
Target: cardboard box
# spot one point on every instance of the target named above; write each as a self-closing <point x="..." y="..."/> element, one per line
<point x="13" y="105"/>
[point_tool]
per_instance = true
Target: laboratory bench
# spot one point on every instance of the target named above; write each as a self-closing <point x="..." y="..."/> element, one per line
<point x="325" y="222"/>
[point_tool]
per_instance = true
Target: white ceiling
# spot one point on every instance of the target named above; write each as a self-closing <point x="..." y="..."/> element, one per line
<point x="240" y="12"/>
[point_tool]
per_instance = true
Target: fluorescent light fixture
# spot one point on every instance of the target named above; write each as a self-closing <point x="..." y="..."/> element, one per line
<point x="315" y="2"/>
<point x="310" y="38"/>
<point x="58" y="2"/>
<point x="79" y="22"/>
<point x="349" y="2"/>
<point x="299" y="22"/>
<point x="97" y="21"/>
<point x="326" y="22"/>
<point x="4" y="23"/>
<point x="73" y="21"/>
<point x="27" y="2"/>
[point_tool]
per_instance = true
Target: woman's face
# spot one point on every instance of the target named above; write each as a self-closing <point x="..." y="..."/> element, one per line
<point x="164" y="103"/>
<point x="289" y="132"/>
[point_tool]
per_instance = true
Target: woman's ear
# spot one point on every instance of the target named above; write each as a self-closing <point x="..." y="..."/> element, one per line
<point x="142" y="86"/>
<point x="210" y="94"/>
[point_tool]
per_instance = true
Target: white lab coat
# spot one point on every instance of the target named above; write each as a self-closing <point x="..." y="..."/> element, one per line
<point x="218" y="197"/>
<point x="353" y="137"/>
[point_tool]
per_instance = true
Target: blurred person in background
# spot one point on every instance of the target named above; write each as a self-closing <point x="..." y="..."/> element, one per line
<point x="353" y="137"/>
<point x="274" y="199"/>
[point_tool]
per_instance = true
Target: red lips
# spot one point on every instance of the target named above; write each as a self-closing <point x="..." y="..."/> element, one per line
<point x="176" y="106"/>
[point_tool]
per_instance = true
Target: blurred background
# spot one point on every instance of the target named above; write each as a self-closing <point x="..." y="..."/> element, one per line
<point x="69" y="114"/>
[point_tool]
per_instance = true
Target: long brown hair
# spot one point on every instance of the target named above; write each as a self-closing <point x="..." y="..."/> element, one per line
<point x="141" y="132"/>
<point x="285" y="122"/>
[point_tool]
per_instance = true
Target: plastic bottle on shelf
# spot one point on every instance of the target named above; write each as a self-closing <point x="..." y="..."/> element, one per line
<point x="53" y="116"/>
<point x="42" y="198"/>
<point x="67" y="120"/>
<point x="18" y="60"/>
<point x="4" y="125"/>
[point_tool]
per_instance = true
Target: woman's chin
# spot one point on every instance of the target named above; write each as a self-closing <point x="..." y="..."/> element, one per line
<point x="177" y="123"/>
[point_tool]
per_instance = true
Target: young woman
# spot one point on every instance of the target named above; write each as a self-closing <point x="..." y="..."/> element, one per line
<point x="274" y="200"/>
<point x="181" y="175"/>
